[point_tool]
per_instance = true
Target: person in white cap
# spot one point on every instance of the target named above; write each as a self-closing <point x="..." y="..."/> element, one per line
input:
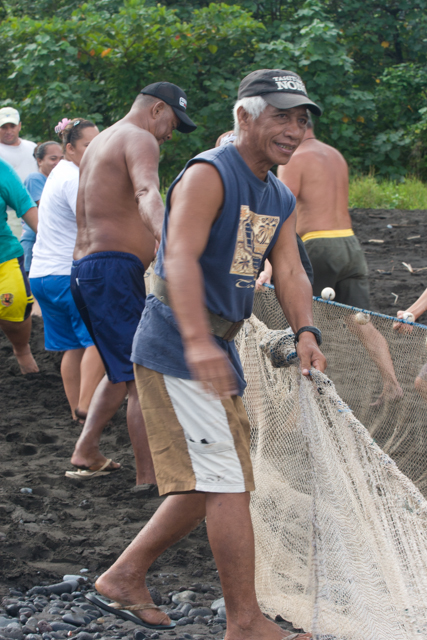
<point x="13" y="149"/>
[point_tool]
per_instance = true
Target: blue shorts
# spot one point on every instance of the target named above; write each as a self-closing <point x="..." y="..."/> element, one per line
<point x="109" y="290"/>
<point x="64" y="329"/>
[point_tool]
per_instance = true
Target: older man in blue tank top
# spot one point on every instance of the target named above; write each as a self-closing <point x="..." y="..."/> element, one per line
<point x="225" y="213"/>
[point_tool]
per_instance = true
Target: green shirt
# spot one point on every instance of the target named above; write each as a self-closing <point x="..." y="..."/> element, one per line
<point x="12" y="194"/>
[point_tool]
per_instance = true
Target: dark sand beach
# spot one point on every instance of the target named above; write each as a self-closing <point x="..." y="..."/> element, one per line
<point x="51" y="525"/>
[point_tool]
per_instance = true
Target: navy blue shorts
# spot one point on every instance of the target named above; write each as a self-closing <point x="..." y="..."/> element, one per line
<point x="109" y="290"/>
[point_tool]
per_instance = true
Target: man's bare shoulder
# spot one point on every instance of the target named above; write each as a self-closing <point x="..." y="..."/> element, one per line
<point x="126" y="133"/>
<point x="315" y="148"/>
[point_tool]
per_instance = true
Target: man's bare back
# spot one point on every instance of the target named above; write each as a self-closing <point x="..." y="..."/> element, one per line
<point x="317" y="175"/>
<point x="119" y="173"/>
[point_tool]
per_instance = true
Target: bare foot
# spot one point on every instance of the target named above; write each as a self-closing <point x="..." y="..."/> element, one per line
<point x="391" y="393"/>
<point x="80" y="414"/>
<point x="122" y="588"/>
<point x="261" y="629"/>
<point x="26" y="362"/>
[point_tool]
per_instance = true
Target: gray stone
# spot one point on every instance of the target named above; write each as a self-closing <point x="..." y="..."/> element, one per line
<point x="175" y="615"/>
<point x="32" y="622"/>
<point x="94" y="628"/>
<point x="26" y="612"/>
<point x="217" y="628"/>
<point x="62" y="626"/>
<point x="4" y="621"/>
<point x="200" y="620"/>
<point x="26" y="490"/>
<point x="14" y="633"/>
<point x="184" y="596"/>
<point x="183" y="621"/>
<point x="12" y="609"/>
<point x="220" y="620"/>
<point x="200" y="611"/>
<point x="217" y="604"/>
<point x="185" y="607"/>
<point x="32" y="636"/>
<point x="73" y="578"/>
<point x="82" y="635"/>
<point x="38" y="590"/>
<point x="76" y="620"/>
<point x="222" y="613"/>
<point x="63" y="587"/>
<point x="156" y="595"/>
<point x="44" y="626"/>
<point x="26" y="629"/>
<point x="66" y="597"/>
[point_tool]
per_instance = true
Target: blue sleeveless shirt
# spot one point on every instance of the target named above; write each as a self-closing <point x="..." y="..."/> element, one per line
<point x="240" y="239"/>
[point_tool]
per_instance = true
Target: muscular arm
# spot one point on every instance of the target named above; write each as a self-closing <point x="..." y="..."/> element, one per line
<point x="291" y="174"/>
<point x="196" y="201"/>
<point x="294" y="292"/>
<point x="31" y="218"/>
<point x="142" y="159"/>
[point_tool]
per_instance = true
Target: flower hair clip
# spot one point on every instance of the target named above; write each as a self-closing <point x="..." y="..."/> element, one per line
<point x="61" y="125"/>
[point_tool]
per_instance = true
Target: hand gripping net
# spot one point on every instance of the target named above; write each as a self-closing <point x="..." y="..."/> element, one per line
<point x="341" y="533"/>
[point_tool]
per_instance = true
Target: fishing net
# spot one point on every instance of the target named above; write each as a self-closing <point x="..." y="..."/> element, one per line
<point x="341" y="535"/>
<point x="361" y="360"/>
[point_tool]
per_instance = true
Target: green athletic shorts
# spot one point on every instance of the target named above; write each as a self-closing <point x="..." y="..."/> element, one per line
<point x="340" y="263"/>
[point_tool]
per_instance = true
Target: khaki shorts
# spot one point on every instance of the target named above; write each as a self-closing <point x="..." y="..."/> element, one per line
<point x="198" y="442"/>
<point x="341" y="264"/>
<point x="16" y="299"/>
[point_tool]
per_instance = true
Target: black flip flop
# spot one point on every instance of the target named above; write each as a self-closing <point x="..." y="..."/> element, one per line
<point x="103" y="603"/>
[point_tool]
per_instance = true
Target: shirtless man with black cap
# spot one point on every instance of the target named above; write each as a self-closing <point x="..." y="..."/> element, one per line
<point x="119" y="218"/>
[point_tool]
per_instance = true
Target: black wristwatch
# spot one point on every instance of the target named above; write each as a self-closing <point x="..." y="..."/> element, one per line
<point x="314" y="330"/>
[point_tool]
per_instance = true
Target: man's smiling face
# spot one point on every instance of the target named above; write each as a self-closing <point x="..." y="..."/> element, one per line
<point x="278" y="132"/>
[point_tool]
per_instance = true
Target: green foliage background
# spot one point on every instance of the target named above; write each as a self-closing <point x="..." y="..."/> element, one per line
<point x="365" y="63"/>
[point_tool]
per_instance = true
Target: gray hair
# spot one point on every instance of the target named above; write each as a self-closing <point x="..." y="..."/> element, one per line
<point x="254" y="105"/>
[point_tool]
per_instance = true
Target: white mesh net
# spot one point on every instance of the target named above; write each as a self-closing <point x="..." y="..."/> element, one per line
<point x="341" y="533"/>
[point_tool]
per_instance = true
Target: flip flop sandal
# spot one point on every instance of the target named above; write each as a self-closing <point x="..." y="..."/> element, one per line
<point x="87" y="473"/>
<point x="125" y="612"/>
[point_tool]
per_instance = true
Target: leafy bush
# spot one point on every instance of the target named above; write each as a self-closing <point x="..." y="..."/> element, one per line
<point x="366" y="192"/>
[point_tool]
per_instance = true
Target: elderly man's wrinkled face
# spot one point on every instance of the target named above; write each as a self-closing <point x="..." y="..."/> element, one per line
<point x="276" y="133"/>
<point x="9" y="133"/>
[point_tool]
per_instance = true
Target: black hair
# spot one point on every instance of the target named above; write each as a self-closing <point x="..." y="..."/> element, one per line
<point x="74" y="131"/>
<point x="41" y="149"/>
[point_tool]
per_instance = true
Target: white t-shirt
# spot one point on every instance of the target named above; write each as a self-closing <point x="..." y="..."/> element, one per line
<point x="20" y="157"/>
<point x="57" y="228"/>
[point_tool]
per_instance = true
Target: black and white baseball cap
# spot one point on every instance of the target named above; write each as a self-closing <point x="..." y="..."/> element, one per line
<point x="176" y="98"/>
<point x="282" y="89"/>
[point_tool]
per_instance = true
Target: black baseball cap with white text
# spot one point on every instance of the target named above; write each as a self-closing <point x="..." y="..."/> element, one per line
<point x="176" y="98"/>
<point x="282" y="89"/>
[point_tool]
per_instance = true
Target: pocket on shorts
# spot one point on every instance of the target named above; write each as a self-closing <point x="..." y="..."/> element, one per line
<point x="211" y="448"/>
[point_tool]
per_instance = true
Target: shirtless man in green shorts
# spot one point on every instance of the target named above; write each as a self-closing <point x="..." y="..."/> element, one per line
<point x="318" y="176"/>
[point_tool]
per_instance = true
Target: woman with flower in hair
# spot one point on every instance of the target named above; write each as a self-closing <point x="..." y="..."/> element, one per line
<point x="81" y="366"/>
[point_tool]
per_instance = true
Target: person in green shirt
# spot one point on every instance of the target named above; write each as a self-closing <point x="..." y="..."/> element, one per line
<point x="16" y="299"/>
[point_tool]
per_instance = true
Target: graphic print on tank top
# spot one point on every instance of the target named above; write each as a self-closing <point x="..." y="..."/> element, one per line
<point x="253" y="237"/>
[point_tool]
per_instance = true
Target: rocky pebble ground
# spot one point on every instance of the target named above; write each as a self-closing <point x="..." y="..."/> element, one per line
<point x="59" y="611"/>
